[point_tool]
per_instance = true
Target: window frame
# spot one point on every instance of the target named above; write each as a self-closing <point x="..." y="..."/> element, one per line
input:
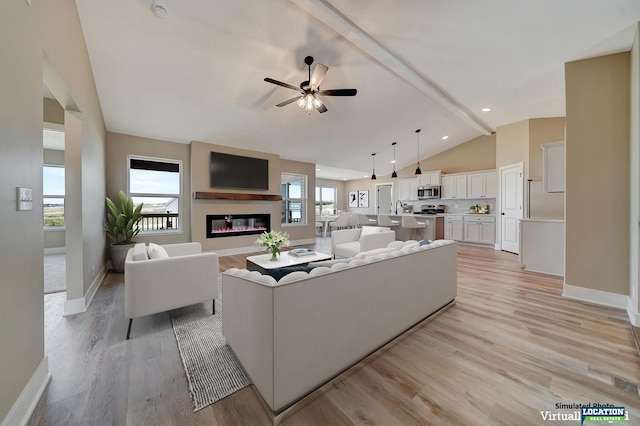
<point x="62" y="196"/>
<point x="179" y="196"/>
<point x="303" y="200"/>
<point x="318" y="201"/>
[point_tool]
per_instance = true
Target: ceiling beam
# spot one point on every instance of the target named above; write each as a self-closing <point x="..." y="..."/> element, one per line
<point x="326" y="13"/>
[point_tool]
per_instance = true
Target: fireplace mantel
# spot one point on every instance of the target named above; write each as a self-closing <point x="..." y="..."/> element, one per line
<point x="235" y="196"/>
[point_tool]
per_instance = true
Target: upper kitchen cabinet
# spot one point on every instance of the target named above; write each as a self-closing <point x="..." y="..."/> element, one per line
<point x="482" y="184"/>
<point x="553" y="166"/>
<point x="454" y="186"/>
<point x="408" y="189"/>
<point x="429" y="178"/>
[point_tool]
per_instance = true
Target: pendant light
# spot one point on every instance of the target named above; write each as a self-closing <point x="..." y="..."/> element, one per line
<point x="394" y="174"/>
<point x="418" y="171"/>
<point x="373" y="173"/>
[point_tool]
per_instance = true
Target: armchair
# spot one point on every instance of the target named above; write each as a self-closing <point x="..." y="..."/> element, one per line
<point x="167" y="277"/>
<point x="350" y="242"/>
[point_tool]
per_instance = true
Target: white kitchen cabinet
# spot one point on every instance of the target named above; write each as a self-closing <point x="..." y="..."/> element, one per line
<point x="429" y="178"/>
<point x="480" y="229"/>
<point x="482" y="185"/>
<point x="453" y="228"/>
<point x="454" y="186"/>
<point x="408" y="189"/>
<point x="553" y="166"/>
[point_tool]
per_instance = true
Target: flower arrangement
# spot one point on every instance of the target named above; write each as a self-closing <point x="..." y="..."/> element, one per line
<point x="272" y="241"/>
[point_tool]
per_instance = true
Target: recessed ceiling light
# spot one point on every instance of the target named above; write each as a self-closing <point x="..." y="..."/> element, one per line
<point x="365" y="175"/>
<point x="344" y="178"/>
<point x="486" y="109"/>
<point x="445" y="137"/>
<point x="393" y="161"/>
<point x="317" y="170"/>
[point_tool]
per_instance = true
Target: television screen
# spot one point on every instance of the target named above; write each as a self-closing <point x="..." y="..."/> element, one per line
<point x="235" y="171"/>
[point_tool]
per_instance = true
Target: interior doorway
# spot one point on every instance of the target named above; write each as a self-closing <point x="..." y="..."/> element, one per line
<point x="384" y="198"/>
<point x="511" y="211"/>
<point x="53" y="193"/>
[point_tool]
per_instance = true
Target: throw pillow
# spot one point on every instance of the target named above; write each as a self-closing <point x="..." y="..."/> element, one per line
<point x="425" y="242"/>
<point x="365" y="254"/>
<point x="157" y="252"/>
<point x="368" y="230"/>
<point x="140" y="252"/>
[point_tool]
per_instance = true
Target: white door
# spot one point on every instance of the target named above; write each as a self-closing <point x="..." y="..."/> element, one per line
<point x="385" y="199"/>
<point x="511" y="200"/>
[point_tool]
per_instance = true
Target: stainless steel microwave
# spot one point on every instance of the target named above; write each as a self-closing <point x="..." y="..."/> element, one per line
<point x="429" y="192"/>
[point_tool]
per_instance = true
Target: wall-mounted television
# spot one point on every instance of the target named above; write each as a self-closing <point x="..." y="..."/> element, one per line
<point x="235" y="171"/>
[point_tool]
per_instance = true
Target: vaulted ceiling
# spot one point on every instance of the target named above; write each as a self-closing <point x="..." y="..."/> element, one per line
<point x="197" y="74"/>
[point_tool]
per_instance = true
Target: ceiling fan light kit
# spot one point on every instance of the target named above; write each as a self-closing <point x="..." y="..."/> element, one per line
<point x="309" y="90"/>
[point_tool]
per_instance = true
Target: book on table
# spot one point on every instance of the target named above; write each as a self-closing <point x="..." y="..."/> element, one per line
<point x="299" y="252"/>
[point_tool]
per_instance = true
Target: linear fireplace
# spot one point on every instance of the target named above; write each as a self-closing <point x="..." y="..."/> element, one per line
<point x="231" y="225"/>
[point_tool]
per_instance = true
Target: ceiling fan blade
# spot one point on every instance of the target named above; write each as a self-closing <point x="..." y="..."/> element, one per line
<point x="322" y="109"/>
<point x="338" y="92"/>
<point x="279" y="83"/>
<point x="318" y="75"/>
<point x="288" y="101"/>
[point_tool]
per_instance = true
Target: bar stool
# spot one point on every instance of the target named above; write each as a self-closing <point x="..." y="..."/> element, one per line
<point x="410" y="222"/>
<point x="385" y="220"/>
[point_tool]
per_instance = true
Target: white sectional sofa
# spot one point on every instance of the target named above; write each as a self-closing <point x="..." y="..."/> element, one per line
<point x="294" y="335"/>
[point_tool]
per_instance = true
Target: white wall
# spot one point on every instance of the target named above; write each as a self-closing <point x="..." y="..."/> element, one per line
<point x="634" y="251"/>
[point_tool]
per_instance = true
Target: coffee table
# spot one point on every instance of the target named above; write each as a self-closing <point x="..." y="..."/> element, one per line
<point x="263" y="262"/>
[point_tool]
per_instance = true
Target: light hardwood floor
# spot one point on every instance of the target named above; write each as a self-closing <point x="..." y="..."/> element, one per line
<point x="509" y="348"/>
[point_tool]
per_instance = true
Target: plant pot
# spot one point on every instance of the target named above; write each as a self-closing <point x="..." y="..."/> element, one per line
<point x="118" y="255"/>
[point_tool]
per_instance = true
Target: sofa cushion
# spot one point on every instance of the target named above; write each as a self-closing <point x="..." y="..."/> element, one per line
<point x="294" y="276"/>
<point x="157" y="252"/>
<point x="368" y="230"/>
<point x="140" y="252"/>
<point x="396" y="245"/>
<point x="365" y="254"/>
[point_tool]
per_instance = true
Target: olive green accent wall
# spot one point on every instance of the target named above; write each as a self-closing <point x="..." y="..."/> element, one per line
<point x="597" y="173"/>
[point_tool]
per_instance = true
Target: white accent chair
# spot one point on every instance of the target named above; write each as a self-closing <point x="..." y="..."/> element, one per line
<point x="348" y="243"/>
<point x="410" y="223"/>
<point x="341" y="222"/>
<point x="161" y="278"/>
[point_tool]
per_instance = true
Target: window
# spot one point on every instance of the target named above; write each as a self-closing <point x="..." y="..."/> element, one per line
<point x="326" y="201"/>
<point x="53" y="196"/>
<point x="294" y="194"/>
<point x="156" y="183"/>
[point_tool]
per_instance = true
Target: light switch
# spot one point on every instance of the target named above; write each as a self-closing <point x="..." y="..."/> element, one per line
<point x="25" y="199"/>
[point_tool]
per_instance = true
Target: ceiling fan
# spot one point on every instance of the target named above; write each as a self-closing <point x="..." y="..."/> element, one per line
<point x="309" y="97"/>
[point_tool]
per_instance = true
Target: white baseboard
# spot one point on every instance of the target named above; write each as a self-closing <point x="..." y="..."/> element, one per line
<point x="54" y="250"/>
<point x="21" y="411"/>
<point x="77" y="306"/>
<point x="598" y="297"/>
<point x="253" y="249"/>
<point x="632" y="312"/>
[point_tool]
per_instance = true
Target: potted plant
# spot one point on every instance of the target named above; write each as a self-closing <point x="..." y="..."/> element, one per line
<point x="122" y="225"/>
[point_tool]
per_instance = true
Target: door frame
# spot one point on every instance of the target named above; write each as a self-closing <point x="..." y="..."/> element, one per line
<point x="498" y="245"/>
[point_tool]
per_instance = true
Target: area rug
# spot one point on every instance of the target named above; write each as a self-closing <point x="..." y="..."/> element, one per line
<point x="212" y="369"/>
